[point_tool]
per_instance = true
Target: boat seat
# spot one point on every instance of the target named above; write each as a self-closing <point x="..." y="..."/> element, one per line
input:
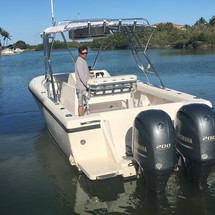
<point x="68" y="98"/>
<point x="112" y="88"/>
<point x="71" y="79"/>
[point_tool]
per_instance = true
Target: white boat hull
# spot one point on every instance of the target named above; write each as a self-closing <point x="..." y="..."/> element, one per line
<point x="98" y="143"/>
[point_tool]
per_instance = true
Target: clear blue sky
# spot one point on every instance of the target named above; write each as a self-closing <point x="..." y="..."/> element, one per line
<point x="26" y="19"/>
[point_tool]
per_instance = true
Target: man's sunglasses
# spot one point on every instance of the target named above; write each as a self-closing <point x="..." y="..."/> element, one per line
<point x="84" y="53"/>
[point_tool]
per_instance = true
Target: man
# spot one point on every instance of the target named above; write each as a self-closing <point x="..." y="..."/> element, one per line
<point x="82" y="74"/>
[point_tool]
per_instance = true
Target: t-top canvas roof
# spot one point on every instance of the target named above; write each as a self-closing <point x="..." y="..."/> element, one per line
<point x="94" y="28"/>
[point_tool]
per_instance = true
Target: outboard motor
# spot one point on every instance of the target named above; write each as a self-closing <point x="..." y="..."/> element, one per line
<point x="195" y="135"/>
<point x="154" y="147"/>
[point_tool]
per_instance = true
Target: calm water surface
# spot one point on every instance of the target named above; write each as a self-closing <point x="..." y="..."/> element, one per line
<point x="35" y="176"/>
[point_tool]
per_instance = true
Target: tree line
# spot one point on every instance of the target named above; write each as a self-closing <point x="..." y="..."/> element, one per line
<point x="166" y="35"/>
<point x="200" y="35"/>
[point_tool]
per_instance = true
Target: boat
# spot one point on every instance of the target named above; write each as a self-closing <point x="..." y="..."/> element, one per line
<point x="131" y="128"/>
<point x="7" y="51"/>
<point x="10" y="51"/>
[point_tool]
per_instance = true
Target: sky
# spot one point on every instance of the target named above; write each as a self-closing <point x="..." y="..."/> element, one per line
<point x="26" y="19"/>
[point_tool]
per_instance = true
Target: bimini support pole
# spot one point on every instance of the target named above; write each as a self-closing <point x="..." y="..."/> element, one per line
<point x="48" y="69"/>
<point x="69" y="50"/>
<point x="96" y="59"/>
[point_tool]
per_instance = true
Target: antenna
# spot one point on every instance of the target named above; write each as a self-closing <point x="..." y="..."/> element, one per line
<point x="52" y="8"/>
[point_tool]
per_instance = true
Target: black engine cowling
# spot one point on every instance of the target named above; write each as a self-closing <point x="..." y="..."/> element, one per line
<point x="154" y="147"/>
<point x="195" y="135"/>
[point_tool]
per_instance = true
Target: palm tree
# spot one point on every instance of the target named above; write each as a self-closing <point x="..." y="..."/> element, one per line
<point x="5" y="36"/>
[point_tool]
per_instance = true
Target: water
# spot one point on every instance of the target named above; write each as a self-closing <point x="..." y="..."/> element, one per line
<point x="35" y="176"/>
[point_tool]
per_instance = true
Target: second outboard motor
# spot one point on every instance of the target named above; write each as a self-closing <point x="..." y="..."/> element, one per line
<point x="154" y="147"/>
<point x="195" y="135"/>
